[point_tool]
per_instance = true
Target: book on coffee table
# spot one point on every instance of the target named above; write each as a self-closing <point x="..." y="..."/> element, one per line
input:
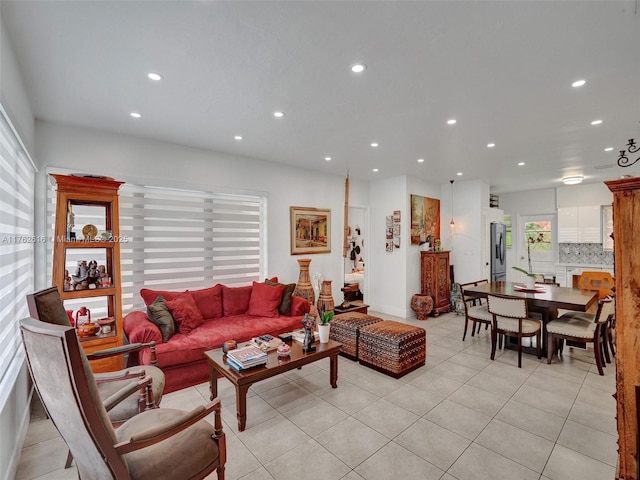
<point x="247" y="356"/>
<point x="298" y="335"/>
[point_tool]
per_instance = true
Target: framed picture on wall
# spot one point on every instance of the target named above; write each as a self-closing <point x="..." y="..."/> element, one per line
<point x="310" y="230"/>
<point x="425" y="219"/>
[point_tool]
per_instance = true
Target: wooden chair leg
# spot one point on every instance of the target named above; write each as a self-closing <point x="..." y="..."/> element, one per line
<point x="538" y="344"/>
<point x="67" y="464"/>
<point x="605" y="343"/>
<point x="551" y="348"/>
<point x="597" y="350"/>
<point x="519" y="350"/>
<point x="466" y="324"/>
<point x="494" y="340"/>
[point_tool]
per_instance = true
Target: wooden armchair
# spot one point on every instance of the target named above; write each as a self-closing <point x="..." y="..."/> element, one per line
<point x="159" y="443"/>
<point x="475" y="311"/>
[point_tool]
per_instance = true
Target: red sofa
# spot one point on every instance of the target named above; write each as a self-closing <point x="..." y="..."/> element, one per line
<point x="222" y="313"/>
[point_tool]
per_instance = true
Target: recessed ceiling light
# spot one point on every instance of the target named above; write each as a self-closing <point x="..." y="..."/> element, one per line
<point x="278" y="114"/>
<point x="578" y="83"/>
<point x="136" y="115"/>
<point x="376" y="170"/>
<point x="596" y="122"/>
<point x="453" y="121"/>
<point x="375" y="144"/>
<point x="608" y="149"/>
<point x="420" y="160"/>
<point x="521" y="164"/>
<point x="491" y="145"/>
<point x="573" y="180"/>
<point x="328" y="159"/>
<point x="358" y="67"/>
<point x="154" y="76"/>
<point x="459" y="174"/>
<point x="238" y="137"/>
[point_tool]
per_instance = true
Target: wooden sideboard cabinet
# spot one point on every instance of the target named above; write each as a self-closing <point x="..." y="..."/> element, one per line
<point x="434" y="279"/>
<point x="626" y="231"/>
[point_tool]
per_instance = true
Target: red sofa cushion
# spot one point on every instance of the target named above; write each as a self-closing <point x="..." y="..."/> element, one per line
<point x="235" y="300"/>
<point x="299" y="306"/>
<point x="264" y="300"/>
<point x="148" y="295"/>
<point x="209" y="301"/>
<point x="185" y="312"/>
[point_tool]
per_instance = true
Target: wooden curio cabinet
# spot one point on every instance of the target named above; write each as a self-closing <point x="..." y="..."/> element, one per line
<point x="434" y="279"/>
<point x="626" y="247"/>
<point x="86" y="260"/>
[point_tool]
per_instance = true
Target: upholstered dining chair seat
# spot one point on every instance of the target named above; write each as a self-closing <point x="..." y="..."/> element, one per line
<point x="174" y="457"/>
<point x="511" y="325"/>
<point x="480" y="312"/>
<point x="573" y="327"/>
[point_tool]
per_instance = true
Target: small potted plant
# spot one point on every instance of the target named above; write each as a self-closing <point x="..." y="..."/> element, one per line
<point x="323" y="326"/>
<point x="530" y="281"/>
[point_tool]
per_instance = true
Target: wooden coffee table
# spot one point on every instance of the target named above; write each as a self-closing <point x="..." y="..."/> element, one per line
<point x="275" y="366"/>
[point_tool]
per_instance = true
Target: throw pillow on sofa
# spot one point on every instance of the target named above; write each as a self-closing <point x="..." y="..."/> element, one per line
<point x="160" y="315"/>
<point x="264" y="300"/>
<point x="185" y="312"/>
<point x="284" y="308"/>
<point x="209" y="301"/>
<point x="235" y="300"/>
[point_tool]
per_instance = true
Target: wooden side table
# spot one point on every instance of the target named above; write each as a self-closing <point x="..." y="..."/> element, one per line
<point x="358" y="306"/>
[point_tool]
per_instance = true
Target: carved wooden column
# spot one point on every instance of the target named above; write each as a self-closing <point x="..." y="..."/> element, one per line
<point x="626" y="233"/>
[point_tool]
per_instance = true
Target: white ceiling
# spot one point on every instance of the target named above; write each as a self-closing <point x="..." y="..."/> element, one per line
<point x="503" y="69"/>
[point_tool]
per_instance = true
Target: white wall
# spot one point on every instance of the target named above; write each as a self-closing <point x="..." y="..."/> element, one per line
<point x="134" y="159"/>
<point x="579" y="195"/>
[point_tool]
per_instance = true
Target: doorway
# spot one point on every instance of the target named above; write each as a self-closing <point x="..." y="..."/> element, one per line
<point x="355" y="263"/>
<point x="537" y="243"/>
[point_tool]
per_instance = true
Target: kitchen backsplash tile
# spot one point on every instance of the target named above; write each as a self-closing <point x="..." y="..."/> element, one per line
<point x="588" y="253"/>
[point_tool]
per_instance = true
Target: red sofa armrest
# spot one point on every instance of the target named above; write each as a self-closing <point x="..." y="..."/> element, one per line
<point x="299" y="306"/>
<point x="139" y="329"/>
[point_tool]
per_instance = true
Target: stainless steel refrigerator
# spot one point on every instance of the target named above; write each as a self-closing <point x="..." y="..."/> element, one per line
<point x="498" y="252"/>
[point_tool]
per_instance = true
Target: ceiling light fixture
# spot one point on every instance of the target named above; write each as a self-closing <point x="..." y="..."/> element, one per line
<point x="154" y="76"/>
<point x="608" y="149"/>
<point x="578" y="83"/>
<point x="453" y="121"/>
<point x="328" y="159"/>
<point x="136" y="115"/>
<point x="278" y="114"/>
<point x="451" y="223"/>
<point x="376" y="170"/>
<point x="596" y="122"/>
<point x="521" y="164"/>
<point x="375" y="144"/>
<point x="238" y="137"/>
<point x="358" y="67"/>
<point x="573" y="180"/>
<point x="491" y="145"/>
<point x="459" y="174"/>
<point x="420" y="160"/>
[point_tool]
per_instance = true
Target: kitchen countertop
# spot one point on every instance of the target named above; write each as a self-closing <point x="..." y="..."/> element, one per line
<point x="585" y="265"/>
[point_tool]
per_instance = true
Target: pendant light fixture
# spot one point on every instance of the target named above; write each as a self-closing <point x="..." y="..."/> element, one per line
<point x="451" y="223"/>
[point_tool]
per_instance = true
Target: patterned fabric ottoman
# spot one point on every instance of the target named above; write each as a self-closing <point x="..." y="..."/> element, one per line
<point x="392" y="347"/>
<point x="345" y="329"/>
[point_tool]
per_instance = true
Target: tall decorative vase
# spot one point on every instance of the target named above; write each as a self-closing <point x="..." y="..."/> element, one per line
<point x="325" y="299"/>
<point x="304" y="288"/>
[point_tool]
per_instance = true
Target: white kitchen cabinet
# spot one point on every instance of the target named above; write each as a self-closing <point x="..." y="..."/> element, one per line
<point x="579" y="224"/>
<point x="566" y="272"/>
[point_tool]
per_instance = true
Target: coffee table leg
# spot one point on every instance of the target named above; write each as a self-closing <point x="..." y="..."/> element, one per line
<point x="213" y="383"/>
<point x="241" y="406"/>
<point x="333" y="370"/>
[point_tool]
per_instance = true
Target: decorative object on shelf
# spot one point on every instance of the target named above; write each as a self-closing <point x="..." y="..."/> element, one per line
<point x="425" y="219"/>
<point x="422" y="305"/>
<point x="83" y="315"/>
<point x="106" y="324"/>
<point x="325" y="325"/>
<point x="86" y="275"/>
<point x="632" y="148"/>
<point x="71" y="235"/>
<point x="316" y="282"/>
<point x="89" y="231"/>
<point x="84" y="326"/>
<point x="308" y="344"/>
<point x="310" y="230"/>
<point x="304" y="288"/>
<point x="229" y="345"/>
<point x="67" y="281"/>
<point x="283" y="350"/>
<point x="72" y="320"/>
<point x="325" y="299"/>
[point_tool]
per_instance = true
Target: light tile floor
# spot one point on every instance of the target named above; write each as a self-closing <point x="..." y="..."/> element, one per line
<point x="462" y="416"/>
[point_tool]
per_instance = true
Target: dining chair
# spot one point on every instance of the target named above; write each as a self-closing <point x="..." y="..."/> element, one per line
<point x="159" y="443"/>
<point x="47" y="306"/>
<point x="581" y="328"/>
<point x="475" y="311"/>
<point x="510" y="318"/>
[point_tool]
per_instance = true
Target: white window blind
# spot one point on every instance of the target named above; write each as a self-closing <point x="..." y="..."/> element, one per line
<point x="17" y="180"/>
<point x="182" y="239"/>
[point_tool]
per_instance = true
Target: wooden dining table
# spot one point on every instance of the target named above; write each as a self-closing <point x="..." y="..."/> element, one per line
<point x="545" y="299"/>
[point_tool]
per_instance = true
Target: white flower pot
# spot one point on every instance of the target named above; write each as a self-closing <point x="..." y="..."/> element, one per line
<point x="530" y="282"/>
<point x="323" y="330"/>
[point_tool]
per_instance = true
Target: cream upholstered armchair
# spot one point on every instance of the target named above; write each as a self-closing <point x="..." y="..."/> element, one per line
<point x="156" y="444"/>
